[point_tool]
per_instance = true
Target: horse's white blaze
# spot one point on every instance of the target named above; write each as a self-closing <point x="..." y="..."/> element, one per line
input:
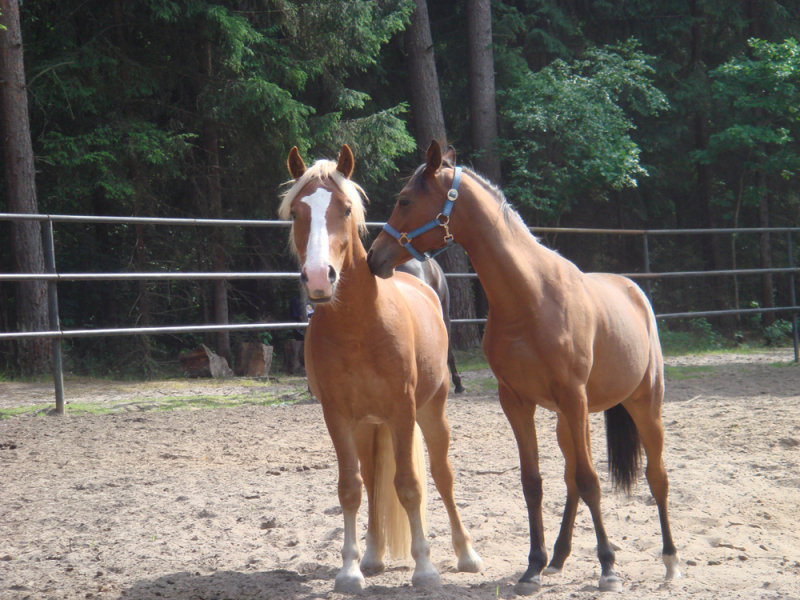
<point x="317" y="253"/>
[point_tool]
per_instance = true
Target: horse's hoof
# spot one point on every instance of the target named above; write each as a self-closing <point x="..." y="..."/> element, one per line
<point x="551" y="570"/>
<point x="427" y="578"/>
<point x="610" y="583"/>
<point x="470" y="562"/>
<point x="460" y="389"/>
<point x="349" y="583"/>
<point x="372" y="567"/>
<point x="528" y="587"/>
<point x="671" y="562"/>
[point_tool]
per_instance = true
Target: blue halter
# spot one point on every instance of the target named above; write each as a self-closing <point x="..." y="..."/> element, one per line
<point x="441" y="220"/>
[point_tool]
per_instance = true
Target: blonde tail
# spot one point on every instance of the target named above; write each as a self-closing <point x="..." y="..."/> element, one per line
<point x="391" y="515"/>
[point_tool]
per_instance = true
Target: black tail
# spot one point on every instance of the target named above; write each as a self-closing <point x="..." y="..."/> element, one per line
<point x="624" y="448"/>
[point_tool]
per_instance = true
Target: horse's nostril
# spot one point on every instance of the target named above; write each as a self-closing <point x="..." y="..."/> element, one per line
<point x="331" y="274"/>
<point x="304" y="277"/>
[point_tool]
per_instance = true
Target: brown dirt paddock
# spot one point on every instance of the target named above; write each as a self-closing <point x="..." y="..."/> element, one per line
<point x="240" y="502"/>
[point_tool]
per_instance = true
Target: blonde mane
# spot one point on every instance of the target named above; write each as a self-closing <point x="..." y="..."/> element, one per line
<point x="325" y="170"/>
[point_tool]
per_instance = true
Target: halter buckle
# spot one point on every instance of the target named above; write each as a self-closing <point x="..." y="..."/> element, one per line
<point x="452" y="194"/>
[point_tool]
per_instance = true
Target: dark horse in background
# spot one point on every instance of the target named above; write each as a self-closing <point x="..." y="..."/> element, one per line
<point x="431" y="273"/>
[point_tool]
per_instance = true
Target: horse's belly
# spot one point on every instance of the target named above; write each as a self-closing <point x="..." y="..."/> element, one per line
<point x="517" y="365"/>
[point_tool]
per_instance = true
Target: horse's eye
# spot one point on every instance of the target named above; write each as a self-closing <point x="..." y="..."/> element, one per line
<point x="403" y="201"/>
<point x="347" y="211"/>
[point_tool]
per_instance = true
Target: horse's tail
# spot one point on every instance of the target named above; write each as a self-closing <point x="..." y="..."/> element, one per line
<point x="624" y="448"/>
<point x="391" y="515"/>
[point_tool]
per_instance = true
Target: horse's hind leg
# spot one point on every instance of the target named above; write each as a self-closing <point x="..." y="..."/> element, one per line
<point x="451" y="363"/>
<point x="409" y="491"/>
<point x="436" y="430"/>
<point x="646" y="414"/>
<point x="366" y="440"/>
<point x="576" y="415"/>
<point x="349" y="579"/>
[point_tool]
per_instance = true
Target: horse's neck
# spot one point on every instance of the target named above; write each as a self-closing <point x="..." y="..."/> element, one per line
<point x="505" y="255"/>
<point x="355" y="294"/>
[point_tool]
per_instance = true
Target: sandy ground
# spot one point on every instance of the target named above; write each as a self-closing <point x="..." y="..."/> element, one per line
<point x="240" y="503"/>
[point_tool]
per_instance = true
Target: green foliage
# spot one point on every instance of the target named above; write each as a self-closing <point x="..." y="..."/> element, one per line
<point x="124" y="106"/>
<point x="778" y="332"/>
<point x="760" y="132"/>
<point x="700" y="336"/>
<point x="569" y="128"/>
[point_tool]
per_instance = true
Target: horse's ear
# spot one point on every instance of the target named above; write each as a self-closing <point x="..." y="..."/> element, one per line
<point x="346" y="162"/>
<point x="449" y="156"/>
<point x="433" y="158"/>
<point x="295" y="164"/>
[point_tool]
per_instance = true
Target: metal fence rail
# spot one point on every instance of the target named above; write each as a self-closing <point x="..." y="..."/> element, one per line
<point x="53" y="277"/>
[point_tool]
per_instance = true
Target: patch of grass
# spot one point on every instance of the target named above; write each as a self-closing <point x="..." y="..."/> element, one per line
<point x="470" y="360"/>
<point x="19" y="411"/>
<point x="160" y="403"/>
<point x="781" y="365"/>
<point x="486" y="384"/>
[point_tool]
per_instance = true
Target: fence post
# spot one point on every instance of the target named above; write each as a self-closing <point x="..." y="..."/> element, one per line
<point x="647" y="266"/>
<point x="793" y="298"/>
<point x="52" y="309"/>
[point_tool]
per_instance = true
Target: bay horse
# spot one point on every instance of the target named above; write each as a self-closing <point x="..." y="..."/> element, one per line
<point x="376" y="358"/>
<point x="555" y="337"/>
<point x="431" y="272"/>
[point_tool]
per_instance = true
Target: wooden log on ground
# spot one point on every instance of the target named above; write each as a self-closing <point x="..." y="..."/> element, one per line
<point x="204" y="362"/>
<point x="255" y="359"/>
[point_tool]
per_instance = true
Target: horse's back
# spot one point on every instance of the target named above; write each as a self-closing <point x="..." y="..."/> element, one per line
<point x="429" y="331"/>
<point x="431" y="273"/>
<point x="621" y="303"/>
<point x="422" y="301"/>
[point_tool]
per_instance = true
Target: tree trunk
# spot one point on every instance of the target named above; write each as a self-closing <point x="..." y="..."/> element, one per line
<point x="33" y="356"/>
<point x="703" y="214"/>
<point x="767" y="295"/>
<point x="214" y="191"/>
<point x="482" y="107"/>
<point x="753" y="8"/>
<point x="426" y="109"/>
<point x="426" y="105"/>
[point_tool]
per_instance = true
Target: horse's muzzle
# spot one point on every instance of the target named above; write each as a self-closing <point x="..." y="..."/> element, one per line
<point x="319" y="282"/>
<point x="380" y="267"/>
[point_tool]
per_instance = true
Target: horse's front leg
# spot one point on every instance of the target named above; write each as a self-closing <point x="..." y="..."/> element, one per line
<point x="520" y="415"/>
<point x="563" y="545"/>
<point x="349" y="579"/>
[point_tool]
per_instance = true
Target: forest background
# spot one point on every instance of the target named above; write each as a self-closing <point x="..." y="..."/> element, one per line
<point x="588" y="113"/>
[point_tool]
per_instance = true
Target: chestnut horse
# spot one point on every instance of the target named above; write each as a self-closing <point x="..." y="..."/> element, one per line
<point x="431" y="273"/>
<point x="376" y="358"/>
<point x="555" y="337"/>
